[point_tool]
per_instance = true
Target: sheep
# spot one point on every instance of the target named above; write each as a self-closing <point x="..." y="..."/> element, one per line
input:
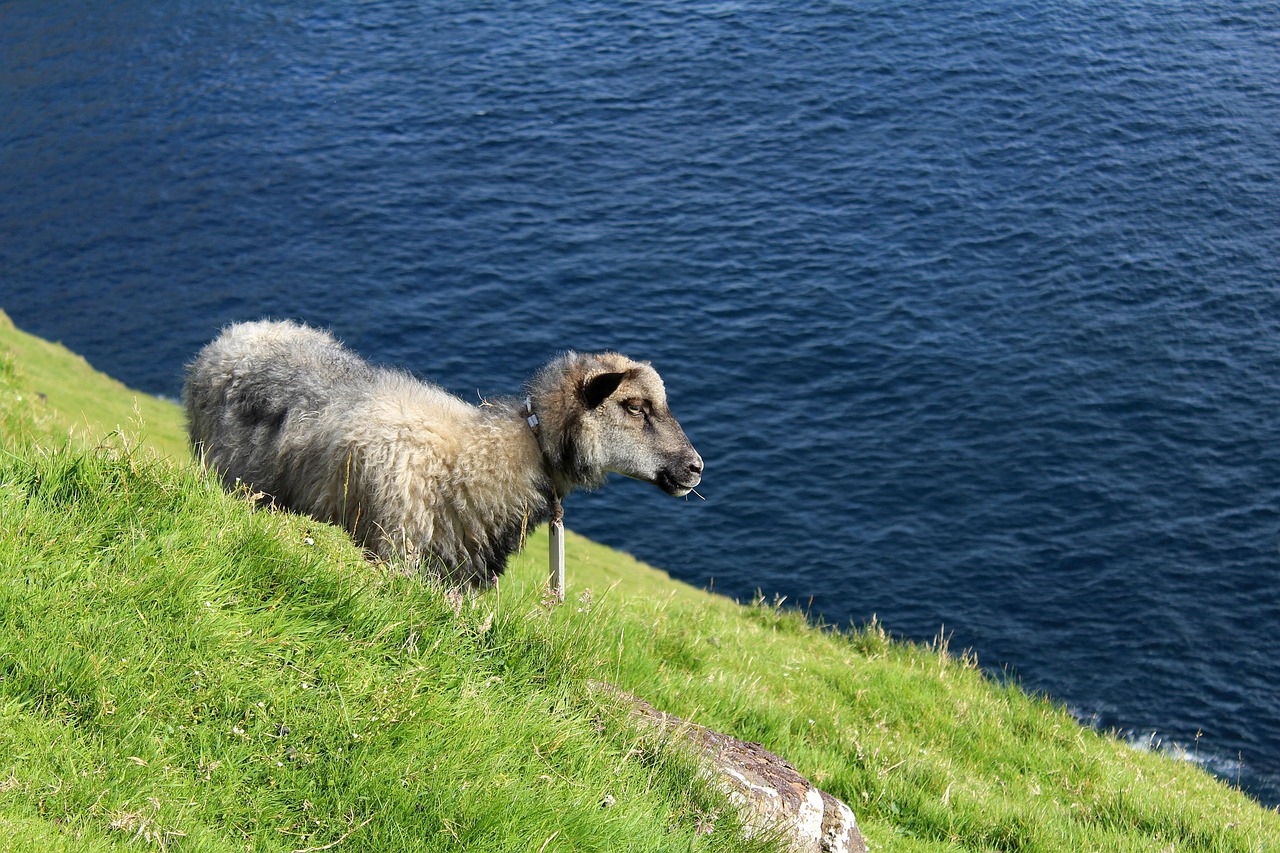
<point x="414" y="473"/>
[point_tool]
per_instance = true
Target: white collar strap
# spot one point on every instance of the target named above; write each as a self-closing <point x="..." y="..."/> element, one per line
<point x="530" y="417"/>
<point x="555" y="582"/>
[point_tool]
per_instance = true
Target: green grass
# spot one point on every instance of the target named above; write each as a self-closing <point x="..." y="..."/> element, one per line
<point x="181" y="671"/>
<point x="68" y="397"/>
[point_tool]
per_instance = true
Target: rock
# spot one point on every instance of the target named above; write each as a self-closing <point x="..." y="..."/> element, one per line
<point x="772" y="795"/>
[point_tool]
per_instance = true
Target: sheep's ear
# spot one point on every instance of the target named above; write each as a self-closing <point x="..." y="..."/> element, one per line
<point x="598" y="388"/>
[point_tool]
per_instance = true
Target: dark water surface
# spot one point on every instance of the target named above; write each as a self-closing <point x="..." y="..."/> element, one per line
<point x="973" y="309"/>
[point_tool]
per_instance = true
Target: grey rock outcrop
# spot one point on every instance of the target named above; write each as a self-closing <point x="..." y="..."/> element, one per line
<point x="772" y="795"/>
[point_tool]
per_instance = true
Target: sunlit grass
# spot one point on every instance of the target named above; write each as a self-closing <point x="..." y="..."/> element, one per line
<point x="181" y="670"/>
<point x="68" y="397"/>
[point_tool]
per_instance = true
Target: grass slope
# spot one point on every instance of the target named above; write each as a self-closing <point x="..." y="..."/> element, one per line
<point x="72" y="398"/>
<point x="180" y="671"/>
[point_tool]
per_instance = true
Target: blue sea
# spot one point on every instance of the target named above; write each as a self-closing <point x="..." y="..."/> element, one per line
<point x="973" y="309"/>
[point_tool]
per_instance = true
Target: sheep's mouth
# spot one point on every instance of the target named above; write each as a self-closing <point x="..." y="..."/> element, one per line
<point x="674" y="487"/>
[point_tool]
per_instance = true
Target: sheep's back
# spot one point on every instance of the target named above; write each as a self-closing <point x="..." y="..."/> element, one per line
<point x="256" y="382"/>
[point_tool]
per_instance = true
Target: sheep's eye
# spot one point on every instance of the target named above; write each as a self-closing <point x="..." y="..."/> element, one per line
<point x="635" y="408"/>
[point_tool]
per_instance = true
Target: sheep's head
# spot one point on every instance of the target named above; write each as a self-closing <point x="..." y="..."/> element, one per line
<point x="608" y="413"/>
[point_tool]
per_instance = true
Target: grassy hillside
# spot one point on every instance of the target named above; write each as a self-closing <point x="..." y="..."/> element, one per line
<point x="180" y="671"/>
<point x="69" y="398"/>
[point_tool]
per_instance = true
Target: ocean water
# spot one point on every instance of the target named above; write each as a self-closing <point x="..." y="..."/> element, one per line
<point x="972" y="309"/>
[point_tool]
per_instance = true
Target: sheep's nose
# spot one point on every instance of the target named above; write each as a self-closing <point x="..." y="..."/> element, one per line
<point x="695" y="465"/>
